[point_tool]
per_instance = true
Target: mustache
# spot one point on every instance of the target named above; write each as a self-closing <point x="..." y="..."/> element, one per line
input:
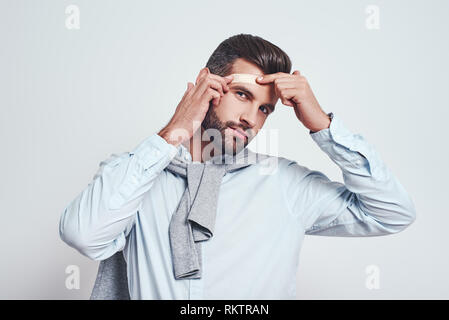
<point x="236" y="125"/>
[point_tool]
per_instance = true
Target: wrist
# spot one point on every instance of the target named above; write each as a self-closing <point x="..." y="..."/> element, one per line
<point x="324" y="124"/>
<point x="173" y="136"/>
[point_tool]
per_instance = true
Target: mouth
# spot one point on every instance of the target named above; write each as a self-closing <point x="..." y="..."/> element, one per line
<point x="239" y="133"/>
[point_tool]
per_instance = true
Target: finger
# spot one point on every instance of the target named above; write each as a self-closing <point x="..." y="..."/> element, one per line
<point x="210" y="94"/>
<point x="200" y="76"/>
<point x="286" y="83"/>
<point x="229" y="78"/>
<point x="287" y="102"/>
<point x="190" y="86"/>
<point x="223" y="80"/>
<point x="287" y="95"/>
<point x="208" y="82"/>
<point x="267" y="78"/>
<point x="296" y="73"/>
<point x="278" y="93"/>
<point x="203" y="72"/>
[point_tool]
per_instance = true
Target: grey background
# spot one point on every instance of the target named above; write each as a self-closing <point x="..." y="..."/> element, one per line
<point x="70" y="98"/>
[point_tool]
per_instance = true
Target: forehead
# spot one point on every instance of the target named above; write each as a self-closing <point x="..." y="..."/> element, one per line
<point x="247" y="82"/>
<point x="245" y="76"/>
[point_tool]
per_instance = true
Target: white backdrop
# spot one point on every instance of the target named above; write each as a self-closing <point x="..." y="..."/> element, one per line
<point x="71" y="97"/>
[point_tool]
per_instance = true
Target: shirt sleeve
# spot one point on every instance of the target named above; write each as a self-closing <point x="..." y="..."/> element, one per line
<point x="98" y="220"/>
<point x="371" y="202"/>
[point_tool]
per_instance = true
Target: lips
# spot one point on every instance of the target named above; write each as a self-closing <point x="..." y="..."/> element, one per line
<point x="239" y="133"/>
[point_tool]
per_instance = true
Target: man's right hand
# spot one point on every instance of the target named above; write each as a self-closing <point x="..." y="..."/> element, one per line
<point x="194" y="105"/>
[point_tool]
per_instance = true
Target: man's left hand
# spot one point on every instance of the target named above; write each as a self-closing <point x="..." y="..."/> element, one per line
<point x="294" y="91"/>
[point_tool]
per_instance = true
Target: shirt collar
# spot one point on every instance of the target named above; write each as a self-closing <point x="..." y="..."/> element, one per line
<point x="186" y="156"/>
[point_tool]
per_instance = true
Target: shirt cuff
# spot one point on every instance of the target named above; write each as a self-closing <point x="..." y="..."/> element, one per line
<point x="149" y="158"/>
<point x="154" y="149"/>
<point x="348" y="150"/>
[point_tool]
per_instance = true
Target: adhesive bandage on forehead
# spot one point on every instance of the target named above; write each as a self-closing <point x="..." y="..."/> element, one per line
<point x="245" y="78"/>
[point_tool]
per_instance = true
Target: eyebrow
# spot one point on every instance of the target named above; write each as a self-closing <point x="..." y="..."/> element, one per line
<point x="251" y="95"/>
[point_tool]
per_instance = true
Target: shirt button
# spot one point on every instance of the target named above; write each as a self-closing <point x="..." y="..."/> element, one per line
<point x="156" y="152"/>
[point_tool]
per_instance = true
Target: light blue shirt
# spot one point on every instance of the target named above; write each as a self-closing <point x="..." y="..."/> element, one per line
<point x="261" y="218"/>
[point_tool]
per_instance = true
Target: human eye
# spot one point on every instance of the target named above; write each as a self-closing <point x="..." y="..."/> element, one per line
<point x="238" y="92"/>
<point x="266" y="109"/>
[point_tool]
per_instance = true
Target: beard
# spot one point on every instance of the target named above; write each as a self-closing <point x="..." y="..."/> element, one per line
<point x="223" y="143"/>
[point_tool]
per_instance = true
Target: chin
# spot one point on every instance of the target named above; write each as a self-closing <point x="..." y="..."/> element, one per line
<point x="234" y="146"/>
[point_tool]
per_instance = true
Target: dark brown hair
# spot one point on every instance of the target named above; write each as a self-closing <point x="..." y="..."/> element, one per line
<point x="267" y="56"/>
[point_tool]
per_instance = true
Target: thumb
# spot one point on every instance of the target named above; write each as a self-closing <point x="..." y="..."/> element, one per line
<point x="189" y="86"/>
<point x="205" y="71"/>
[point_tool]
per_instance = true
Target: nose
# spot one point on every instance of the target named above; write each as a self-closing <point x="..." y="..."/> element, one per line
<point x="249" y="116"/>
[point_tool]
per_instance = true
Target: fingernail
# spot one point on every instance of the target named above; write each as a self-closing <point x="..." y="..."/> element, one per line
<point x="260" y="78"/>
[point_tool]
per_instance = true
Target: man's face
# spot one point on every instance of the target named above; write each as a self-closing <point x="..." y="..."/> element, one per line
<point x="245" y="106"/>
